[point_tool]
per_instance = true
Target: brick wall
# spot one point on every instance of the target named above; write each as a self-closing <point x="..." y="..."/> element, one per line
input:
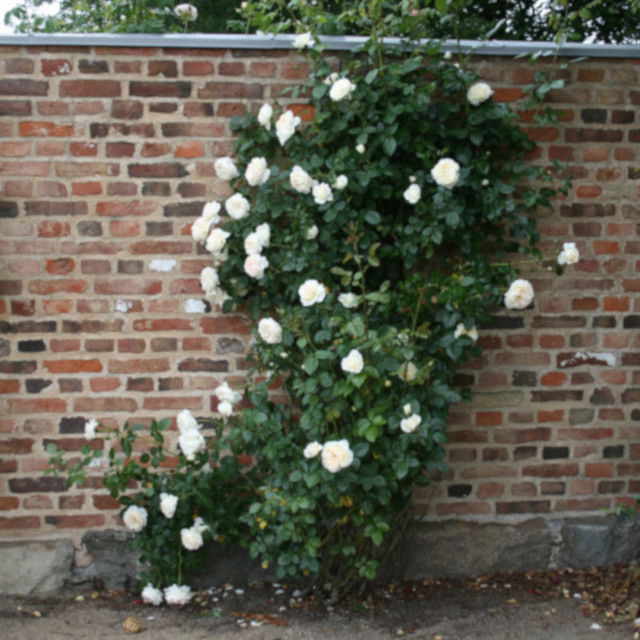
<point x="106" y="157"/>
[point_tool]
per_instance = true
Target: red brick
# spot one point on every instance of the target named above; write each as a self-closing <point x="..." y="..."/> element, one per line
<point x="599" y="470"/>
<point x="7" y="504"/>
<point x="193" y="149"/>
<point x="197" y="68"/>
<point x="48" y="129"/>
<point x="57" y="306"/>
<point x="488" y="418"/>
<point x="76" y="521"/>
<point x="553" y="379"/>
<point x="20" y="522"/>
<point x="57" y="67"/>
<point x="47" y="287"/>
<point x="462" y="508"/>
<point x="127" y="286"/>
<point x="105" y="503"/>
<point x="9" y="386"/>
<point x="163" y="324"/>
<point x="90" y="89"/>
<point x="37" y="405"/>
<point x="73" y="366"/>
<point x="551" y="470"/>
<point x="86" y="188"/>
<point x="139" y="365"/>
<point x="172" y="403"/>
<point x="83" y="149"/>
<point x="225" y="324"/>
<point x="104" y="404"/>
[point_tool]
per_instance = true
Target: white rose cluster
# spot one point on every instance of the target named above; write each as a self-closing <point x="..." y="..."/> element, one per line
<point x="300" y="180"/>
<point x="286" y="126"/>
<point x="311" y="292"/>
<point x="410" y="423"/>
<point x="341" y="89"/>
<point x="478" y="93"/>
<point x="569" y="254"/>
<point x="209" y="216"/>
<point x="312" y="450"/>
<point x="461" y="330"/>
<point x="303" y="41"/>
<point x="210" y="283"/>
<point x="336" y="455"/>
<point x="186" y="12"/>
<point x="90" y="428"/>
<point x="322" y="193"/>
<point x="353" y="362"/>
<point x="237" y="206"/>
<point x="255" y="265"/>
<point x="412" y="194"/>
<point x="135" y="518"/>
<point x="446" y="173"/>
<point x="408" y="372"/>
<point x="225" y="168"/>
<point x="168" y="504"/>
<point x="227" y="398"/>
<point x="519" y="295"/>
<point x="191" y="441"/>
<point x="341" y="182"/>
<point x="152" y="595"/>
<point x="264" y="116"/>
<point x="348" y="300"/>
<point x="191" y="537"/>
<point x="257" y="172"/>
<point x="177" y="594"/>
<point x="270" y="331"/>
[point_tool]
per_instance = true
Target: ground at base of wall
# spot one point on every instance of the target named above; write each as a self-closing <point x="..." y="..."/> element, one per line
<point x="521" y="606"/>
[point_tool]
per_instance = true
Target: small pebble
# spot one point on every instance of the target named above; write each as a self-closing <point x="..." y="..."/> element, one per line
<point x="239" y="592"/>
<point x="595" y="627"/>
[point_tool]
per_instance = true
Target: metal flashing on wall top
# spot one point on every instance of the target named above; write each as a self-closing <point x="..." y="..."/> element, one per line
<point x="285" y="41"/>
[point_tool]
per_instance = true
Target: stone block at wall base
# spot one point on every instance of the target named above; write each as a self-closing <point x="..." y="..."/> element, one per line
<point x="456" y="548"/>
<point x="114" y="563"/>
<point x="595" y="542"/>
<point x="30" y="567"/>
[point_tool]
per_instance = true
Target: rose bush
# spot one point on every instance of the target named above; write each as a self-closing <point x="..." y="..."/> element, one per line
<point x="367" y="246"/>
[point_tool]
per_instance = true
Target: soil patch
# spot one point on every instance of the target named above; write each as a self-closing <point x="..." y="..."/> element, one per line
<point x="561" y="605"/>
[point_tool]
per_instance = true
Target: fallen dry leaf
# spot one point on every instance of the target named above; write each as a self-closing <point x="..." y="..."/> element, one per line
<point x="132" y="625"/>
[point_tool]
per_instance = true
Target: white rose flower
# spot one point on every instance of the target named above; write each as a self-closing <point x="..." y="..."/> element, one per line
<point x="446" y="172"/>
<point x="478" y="93"/>
<point x="135" y="518"/>
<point x="255" y="265"/>
<point x="168" y="504"/>
<point x="252" y="244"/>
<point x="200" y="229"/>
<point x="408" y="372"/>
<point x="177" y="594"/>
<point x="312" y="232"/>
<point x="341" y="182"/>
<point x="225" y="393"/>
<point x="191" y="441"/>
<point x="569" y="254"/>
<point x="191" y="539"/>
<point x="90" y="429"/>
<point x="209" y="280"/>
<point x="186" y="12"/>
<point x="286" y="126"/>
<point x="312" y="450"/>
<point x="322" y="193"/>
<point x="336" y="455"/>
<point x="257" y="172"/>
<point x="264" y="116"/>
<point x="353" y="362"/>
<point x="300" y="180"/>
<point x="360" y="148"/>
<point x="412" y="194"/>
<point x="348" y="300"/>
<point x="226" y="168"/>
<point x="186" y="421"/>
<point x="407" y="409"/>
<point x="225" y="409"/>
<point x="270" y="331"/>
<point x="263" y="231"/>
<point x="311" y="292"/>
<point x="211" y="211"/>
<point x="151" y="595"/>
<point x="461" y="330"/>
<point x="341" y="89"/>
<point x="519" y="295"/>
<point x="410" y="424"/>
<point x="216" y="240"/>
<point x="237" y="206"/>
<point x="303" y="40"/>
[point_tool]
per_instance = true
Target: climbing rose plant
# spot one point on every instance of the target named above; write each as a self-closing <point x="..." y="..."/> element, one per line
<point x="367" y="244"/>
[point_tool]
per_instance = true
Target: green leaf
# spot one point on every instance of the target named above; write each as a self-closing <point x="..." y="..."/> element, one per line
<point x="310" y="364"/>
<point x="372" y="217"/>
<point x="389" y="145"/>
